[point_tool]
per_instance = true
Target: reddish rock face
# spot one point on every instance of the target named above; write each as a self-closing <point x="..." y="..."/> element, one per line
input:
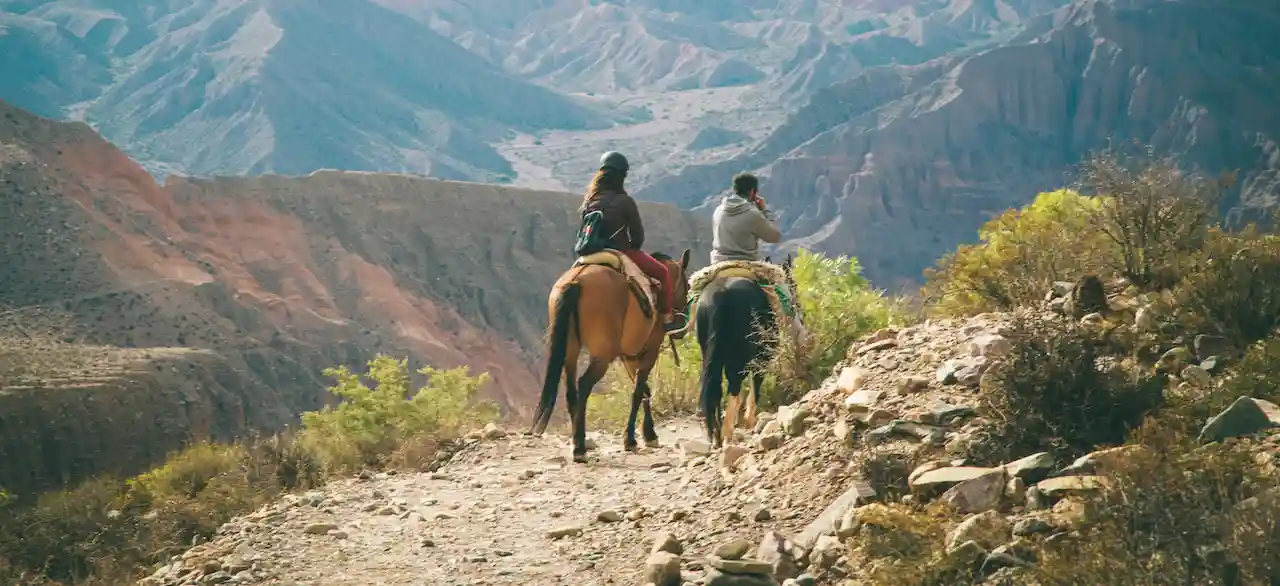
<point x="277" y="278"/>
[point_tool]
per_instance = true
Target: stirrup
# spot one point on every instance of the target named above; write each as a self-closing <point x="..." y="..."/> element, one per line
<point x="678" y="321"/>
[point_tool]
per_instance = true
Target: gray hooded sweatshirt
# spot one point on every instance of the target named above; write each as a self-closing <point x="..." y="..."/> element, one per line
<point x="739" y="227"/>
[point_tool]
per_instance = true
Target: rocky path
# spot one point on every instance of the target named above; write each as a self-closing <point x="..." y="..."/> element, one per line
<point x="510" y="509"/>
<point x="505" y="510"/>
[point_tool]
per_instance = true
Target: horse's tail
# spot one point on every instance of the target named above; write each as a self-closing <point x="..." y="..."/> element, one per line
<point x="710" y="328"/>
<point x="557" y="350"/>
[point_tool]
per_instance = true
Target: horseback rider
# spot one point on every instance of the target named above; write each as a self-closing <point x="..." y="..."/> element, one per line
<point x="741" y="221"/>
<point x="621" y="221"/>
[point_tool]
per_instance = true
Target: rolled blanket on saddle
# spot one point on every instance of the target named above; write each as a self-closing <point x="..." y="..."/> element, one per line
<point x="771" y="278"/>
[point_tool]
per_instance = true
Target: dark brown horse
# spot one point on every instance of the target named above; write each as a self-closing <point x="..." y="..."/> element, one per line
<point x="593" y="307"/>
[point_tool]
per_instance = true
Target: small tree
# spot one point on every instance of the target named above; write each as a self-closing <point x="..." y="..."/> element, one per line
<point x="1156" y="215"/>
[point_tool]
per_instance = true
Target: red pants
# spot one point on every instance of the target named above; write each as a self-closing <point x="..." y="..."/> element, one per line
<point x="652" y="267"/>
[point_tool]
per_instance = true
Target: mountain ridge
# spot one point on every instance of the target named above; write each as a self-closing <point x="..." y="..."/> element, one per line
<point x="887" y="166"/>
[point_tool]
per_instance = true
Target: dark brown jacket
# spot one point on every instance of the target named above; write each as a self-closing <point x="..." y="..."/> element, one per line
<point x="621" y="221"/>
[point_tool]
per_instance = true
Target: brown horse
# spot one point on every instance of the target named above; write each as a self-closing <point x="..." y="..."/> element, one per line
<point x="594" y="307"/>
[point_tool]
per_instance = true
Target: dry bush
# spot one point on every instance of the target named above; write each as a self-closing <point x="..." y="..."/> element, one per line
<point x="1053" y="391"/>
<point x="1176" y="514"/>
<point x="1156" y="215"/>
<point x="900" y="545"/>
<point x="1140" y="218"/>
<point x="1233" y="289"/>
<point x="887" y="472"/>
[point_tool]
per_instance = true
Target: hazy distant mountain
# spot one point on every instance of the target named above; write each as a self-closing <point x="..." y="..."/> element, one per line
<point x="283" y="86"/>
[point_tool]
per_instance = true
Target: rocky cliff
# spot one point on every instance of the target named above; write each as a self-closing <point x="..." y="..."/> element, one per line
<point x="220" y="301"/>
<point x="900" y="164"/>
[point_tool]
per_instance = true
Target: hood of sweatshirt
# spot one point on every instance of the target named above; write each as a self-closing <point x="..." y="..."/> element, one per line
<point x="736" y="204"/>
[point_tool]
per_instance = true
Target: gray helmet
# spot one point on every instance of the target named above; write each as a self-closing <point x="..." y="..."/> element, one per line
<point x="614" y="160"/>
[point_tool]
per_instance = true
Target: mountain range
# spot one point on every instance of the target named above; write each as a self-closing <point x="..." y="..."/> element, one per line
<point x="889" y="130"/>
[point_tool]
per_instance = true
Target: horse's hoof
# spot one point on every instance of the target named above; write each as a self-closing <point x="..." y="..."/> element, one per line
<point x="652" y="443"/>
<point x="631" y="447"/>
<point x="579" y="458"/>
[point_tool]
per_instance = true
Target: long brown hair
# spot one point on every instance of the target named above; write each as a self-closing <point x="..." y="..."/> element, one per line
<point x="605" y="180"/>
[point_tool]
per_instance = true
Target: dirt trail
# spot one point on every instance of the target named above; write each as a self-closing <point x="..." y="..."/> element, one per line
<point x="483" y="518"/>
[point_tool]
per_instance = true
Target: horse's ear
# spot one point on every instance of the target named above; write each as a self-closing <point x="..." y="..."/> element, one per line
<point x="684" y="260"/>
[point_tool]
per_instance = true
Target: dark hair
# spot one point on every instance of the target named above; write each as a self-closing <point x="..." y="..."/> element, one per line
<point x="745" y="183"/>
<point x="605" y="180"/>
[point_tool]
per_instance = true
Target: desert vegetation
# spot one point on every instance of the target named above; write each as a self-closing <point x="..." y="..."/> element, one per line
<point x="1136" y="319"/>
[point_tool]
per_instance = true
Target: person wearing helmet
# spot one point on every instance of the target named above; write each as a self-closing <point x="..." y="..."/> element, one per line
<point x="621" y="223"/>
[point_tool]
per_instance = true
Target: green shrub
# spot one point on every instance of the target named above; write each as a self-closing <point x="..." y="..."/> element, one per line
<point x="1054" y="392"/>
<point x="1020" y="256"/>
<point x="371" y="425"/>
<point x="839" y="307"/>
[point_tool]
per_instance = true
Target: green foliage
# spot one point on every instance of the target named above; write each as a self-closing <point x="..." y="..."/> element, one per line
<point x="1021" y="254"/>
<point x="839" y="307"/>
<point x="371" y="424"/>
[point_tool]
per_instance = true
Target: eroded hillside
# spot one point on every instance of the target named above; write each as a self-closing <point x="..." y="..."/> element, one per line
<point x="899" y="164"/>
<point x="267" y="281"/>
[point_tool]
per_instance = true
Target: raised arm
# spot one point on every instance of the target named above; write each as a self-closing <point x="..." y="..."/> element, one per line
<point x="765" y="229"/>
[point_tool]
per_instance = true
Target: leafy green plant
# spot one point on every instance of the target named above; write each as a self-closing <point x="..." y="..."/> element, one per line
<point x="1020" y="255"/>
<point x="839" y="306"/>
<point x="372" y="423"/>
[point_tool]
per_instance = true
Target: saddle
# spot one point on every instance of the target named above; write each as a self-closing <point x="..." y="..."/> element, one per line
<point x="771" y="279"/>
<point x="636" y="278"/>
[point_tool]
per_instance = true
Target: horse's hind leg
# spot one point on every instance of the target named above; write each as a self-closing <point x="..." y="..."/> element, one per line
<point x="595" y="371"/>
<point x="571" y="377"/>
<point x="734" y="388"/>
<point x="753" y="401"/>
<point x="650" y="434"/>
<point x="637" y="396"/>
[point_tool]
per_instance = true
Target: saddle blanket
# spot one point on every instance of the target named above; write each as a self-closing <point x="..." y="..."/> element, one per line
<point x="620" y="262"/>
<point x="771" y="278"/>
